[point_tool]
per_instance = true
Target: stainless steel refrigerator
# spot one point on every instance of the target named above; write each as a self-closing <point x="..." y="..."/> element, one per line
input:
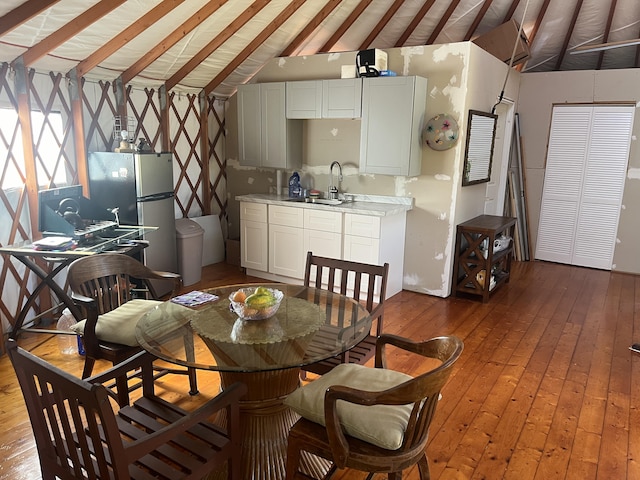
<point x="141" y="186"/>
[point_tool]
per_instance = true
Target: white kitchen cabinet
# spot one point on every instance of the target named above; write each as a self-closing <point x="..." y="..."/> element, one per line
<point x="342" y="98"/>
<point x="376" y="240"/>
<point x="286" y="246"/>
<point x="304" y="99"/>
<point x="393" y="110"/>
<point x="335" y="98"/>
<point x="253" y="236"/>
<point x="323" y="233"/>
<point x="266" y="138"/>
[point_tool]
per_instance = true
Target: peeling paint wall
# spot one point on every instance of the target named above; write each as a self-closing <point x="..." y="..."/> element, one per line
<point x="539" y="92"/>
<point x="440" y="201"/>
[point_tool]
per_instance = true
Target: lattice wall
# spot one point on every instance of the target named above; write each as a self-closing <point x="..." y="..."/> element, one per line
<point x="49" y="93"/>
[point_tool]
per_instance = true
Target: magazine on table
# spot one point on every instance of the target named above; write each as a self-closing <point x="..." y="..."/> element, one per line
<point x="194" y="298"/>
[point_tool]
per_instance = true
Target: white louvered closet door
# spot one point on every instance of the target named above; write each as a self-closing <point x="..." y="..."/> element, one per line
<point x="584" y="180"/>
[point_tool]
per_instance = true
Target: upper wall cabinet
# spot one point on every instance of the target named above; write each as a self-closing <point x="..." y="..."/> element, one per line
<point x="342" y="98"/>
<point x="304" y="99"/>
<point x="393" y="110"/>
<point x="266" y="138"/>
<point x="337" y="98"/>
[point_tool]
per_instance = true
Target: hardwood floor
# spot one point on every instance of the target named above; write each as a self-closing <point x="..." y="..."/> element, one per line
<point x="544" y="389"/>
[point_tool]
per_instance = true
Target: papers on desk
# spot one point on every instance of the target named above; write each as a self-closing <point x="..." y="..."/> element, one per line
<point x="194" y="299"/>
<point x="54" y="244"/>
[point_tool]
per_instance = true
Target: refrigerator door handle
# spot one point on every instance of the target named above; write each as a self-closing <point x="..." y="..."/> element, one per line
<point x="155" y="196"/>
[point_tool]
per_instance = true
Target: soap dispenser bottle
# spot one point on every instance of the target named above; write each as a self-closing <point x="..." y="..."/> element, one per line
<point x="294" y="185"/>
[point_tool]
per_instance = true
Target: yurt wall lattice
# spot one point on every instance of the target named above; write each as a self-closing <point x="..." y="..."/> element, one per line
<point x="200" y="185"/>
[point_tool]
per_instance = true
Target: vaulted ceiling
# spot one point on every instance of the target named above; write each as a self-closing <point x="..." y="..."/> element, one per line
<point x="215" y="45"/>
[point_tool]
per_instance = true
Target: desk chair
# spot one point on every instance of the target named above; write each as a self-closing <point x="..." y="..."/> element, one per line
<point x="343" y="276"/>
<point x="78" y="434"/>
<point x="381" y="424"/>
<point x="103" y="285"/>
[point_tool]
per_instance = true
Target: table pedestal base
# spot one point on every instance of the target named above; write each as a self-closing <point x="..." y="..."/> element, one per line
<point x="265" y="422"/>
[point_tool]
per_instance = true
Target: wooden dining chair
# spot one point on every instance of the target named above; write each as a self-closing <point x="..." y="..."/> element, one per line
<point x="78" y="434"/>
<point x="381" y="422"/>
<point x="349" y="278"/>
<point x="105" y="286"/>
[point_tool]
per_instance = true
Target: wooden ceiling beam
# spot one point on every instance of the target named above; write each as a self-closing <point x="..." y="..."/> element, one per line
<point x="254" y="44"/>
<point x="414" y="23"/>
<point x="170" y="40"/>
<point x="381" y="24"/>
<point x="310" y="27"/>
<point x="23" y="13"/>
<point x="211" y="47"/>
<point x="69" y="30"/>
<point x="477" y="20"/>
<point x="567" y="37"/>
<point x="536" y="26"/>
<point x="607" y="30"/>
<point x="511" y="11"/>
<point x="128" y="34"/>
<point x="443" y="21"/>
<point x="337" y="35"/>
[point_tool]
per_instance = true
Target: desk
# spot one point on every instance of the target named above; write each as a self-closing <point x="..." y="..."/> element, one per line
<point x="311" y="325"/>
<point x="121" y="239"/>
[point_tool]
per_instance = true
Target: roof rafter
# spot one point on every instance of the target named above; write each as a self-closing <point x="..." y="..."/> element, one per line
<point x="607" y="30"/>
<point x="124" y="37"/>
<point x="443" y="21"/>
<point x="511" y="11"/>
<point x="310" y="28"/>
<point x="68" y="31"/>
<point x="23" y="13"/>
<point x="381" y="24"/>
<point x="255" y="43"/>
<point x="250" y="12"/>
<point x="477" y="20"/>
<point x="567" y="37"/>
<point x="170" y="40"/>
<point x="536" y="26"/>
<point x="414" y="23"/>
<point x="353" y="16"/>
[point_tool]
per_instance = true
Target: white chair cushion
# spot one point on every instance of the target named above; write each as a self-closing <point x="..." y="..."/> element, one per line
<point x="381" y="425"/>
<point x="119" y="325"/>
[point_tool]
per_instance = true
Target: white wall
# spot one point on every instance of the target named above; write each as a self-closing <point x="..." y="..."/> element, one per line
<point x="539" y="92"/>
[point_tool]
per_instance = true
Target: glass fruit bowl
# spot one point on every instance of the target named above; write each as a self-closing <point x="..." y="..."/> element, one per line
<point x="251" y="303"/>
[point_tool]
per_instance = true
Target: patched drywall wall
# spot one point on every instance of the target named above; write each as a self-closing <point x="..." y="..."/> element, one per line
<point x="539" y="92"/>
<point x="430" y="232"/>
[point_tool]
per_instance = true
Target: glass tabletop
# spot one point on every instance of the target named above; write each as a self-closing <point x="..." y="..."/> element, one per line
<point x="310" y="325"/>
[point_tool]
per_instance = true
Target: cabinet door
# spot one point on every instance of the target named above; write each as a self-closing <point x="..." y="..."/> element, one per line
<point x="342" y="98"/>
<point x="392" y="117"/>
<point x="304" y="99"/>
<point x="274" y="125"/>
<point x="249" y="125"/>
<point x="324" y="244"/>
<point x="254" y="245"/>
<point x="361" y="249"/>
<point x="286" y="256"/>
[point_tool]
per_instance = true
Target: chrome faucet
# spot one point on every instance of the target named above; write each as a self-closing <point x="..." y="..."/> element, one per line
<point x="333" y="189"/>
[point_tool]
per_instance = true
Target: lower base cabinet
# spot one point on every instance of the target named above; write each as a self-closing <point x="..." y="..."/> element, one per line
<point x="285" y="235"/>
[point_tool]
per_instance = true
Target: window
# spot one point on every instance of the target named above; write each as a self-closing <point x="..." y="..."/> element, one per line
<point x="47" y="133"/>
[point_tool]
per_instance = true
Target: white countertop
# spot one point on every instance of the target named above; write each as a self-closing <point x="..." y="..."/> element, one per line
<point x="376" y="205"/>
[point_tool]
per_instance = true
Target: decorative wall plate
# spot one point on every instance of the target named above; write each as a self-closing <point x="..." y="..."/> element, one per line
<point x="441" y="132"/>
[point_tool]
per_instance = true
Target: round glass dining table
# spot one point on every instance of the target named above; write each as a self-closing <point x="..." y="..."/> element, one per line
<point x="309" y="326"/>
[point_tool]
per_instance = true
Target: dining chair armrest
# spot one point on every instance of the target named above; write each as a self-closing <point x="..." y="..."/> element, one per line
<point x="140" y="361"/>
<point x="226" y="399"/>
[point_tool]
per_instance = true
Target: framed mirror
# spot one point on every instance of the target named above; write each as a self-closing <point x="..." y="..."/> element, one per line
<point x="481" y="133"/>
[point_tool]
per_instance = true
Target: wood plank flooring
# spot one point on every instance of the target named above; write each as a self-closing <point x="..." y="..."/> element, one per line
<point x="546" y="387"/>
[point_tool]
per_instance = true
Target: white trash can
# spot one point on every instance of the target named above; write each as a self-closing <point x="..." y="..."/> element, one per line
<point x="189" y="239"/>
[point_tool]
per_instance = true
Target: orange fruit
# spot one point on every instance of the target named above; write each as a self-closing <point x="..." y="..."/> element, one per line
<point x="239" y="296"/>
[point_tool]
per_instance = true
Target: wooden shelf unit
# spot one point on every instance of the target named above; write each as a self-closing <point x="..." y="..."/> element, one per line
<point x="475" y="253"/>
